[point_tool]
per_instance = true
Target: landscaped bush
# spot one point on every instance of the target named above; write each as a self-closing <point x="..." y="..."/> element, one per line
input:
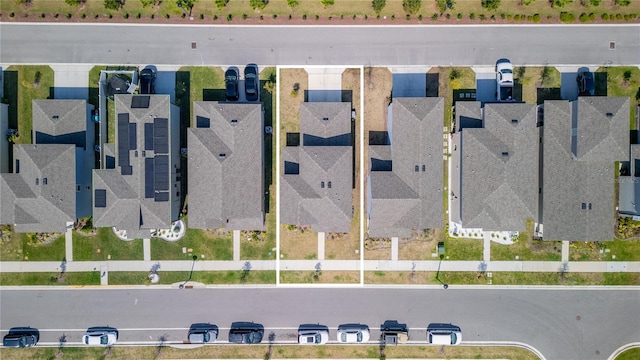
<point x="595" y="2"/>
<point x="275" y="16"/>
<point x="516" y="17"/>
<point x="378" y="5"/>
<point x="583" y="17"/>
<point x="408" y="17"/>
<point x="215" y="17"/>
<point x="536" y="18"/>
<point x="244" y="16"/>
<point x="126" y="15"/>
<point x="201" y="16"/>
<point x="459" y="16"/>
<point x="167" y="16"/>
<point x="41" y="15"/>
<point x="304" y="16"/>
<point x="411" y="6"/>
<point x="138" y="16"/>
<point x="420" y="17"/>
<point x="623" y="2"/>
<point x="491" y="4"/>
<point x="317" y="17"/>
<point x="229" y="17"/>
<point x="604" y="16"/>
<point x="567" y="17"/>
<point x="472" y="16"/>
<point x="83" y="16"/>
<point x="258" y="4"/>
<point x="482" y="17"/>
<point x="502" y="16"/>
<point x="434" y="17"/>
<point x="221" y="3"/>
<point x="12" y="14"/>
<point x="261" y="17"/>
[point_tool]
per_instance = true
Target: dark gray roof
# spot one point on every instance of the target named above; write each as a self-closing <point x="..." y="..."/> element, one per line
<point x="141" y="190"/>
<point x="578" y="191"/>
<point x="226" y="191"/>
<point x="497" y="169"/>
<point x="40" y="196"/>
<point x="468" y="114"/>
<point x="60" y="121"/>
<point x="404" y="199"/>
<point x="320" y="193"/>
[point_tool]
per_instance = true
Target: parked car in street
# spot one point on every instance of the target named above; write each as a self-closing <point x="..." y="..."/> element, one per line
<point x="20" y="337"/>
<point x="202" y="333"/>
<point x="100" y="336"/>
<point x="252" y="82"/>
<point x="444" y="334"/>
<point x="231" y="84"/>
<point x="313" y="334"/>
<point x="148" y="80"/>
<point x="586" y="83"/>
<point x="244" y="332"/>
<point x="353" y="333"/>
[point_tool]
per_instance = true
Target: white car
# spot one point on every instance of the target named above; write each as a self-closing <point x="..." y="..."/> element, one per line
<point x="444" y="334"/>
<point x="504" y="80"/>
<point x="313" y="334"/>
<point x="100" y="336"/>
<point x="353" y="333"/>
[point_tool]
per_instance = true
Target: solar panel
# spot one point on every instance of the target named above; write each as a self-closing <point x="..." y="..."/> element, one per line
<point x="140" y="102"/>
<point x="133" y="132"/>
<point x="161" y="135"/>
<point x="148" y="178"/>
<point x="161" y="172"/>
<point x="100" y="198"/>
<point x="203" y="122"/>
<point x="148" y="136"/>
<point x="123" y="139"/>
<point x="162" y="196"/>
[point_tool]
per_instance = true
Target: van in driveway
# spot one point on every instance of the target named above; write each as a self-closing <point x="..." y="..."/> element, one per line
<point x="444" y="334"/>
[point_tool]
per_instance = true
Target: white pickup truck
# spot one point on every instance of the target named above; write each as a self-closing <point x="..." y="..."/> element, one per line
<point x="504" y="80"/>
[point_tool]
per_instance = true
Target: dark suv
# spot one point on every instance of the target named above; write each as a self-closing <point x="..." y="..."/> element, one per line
<point x="243" y="332"/>
<point x="251" y="81"/>
<point x="147" y="81"/>
<point x="231" y="84"/>
<point x="19" y="337"/>
<point x="586" y="83"/>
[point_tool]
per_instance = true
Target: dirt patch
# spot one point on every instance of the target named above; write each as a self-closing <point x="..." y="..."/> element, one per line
<point x="298" y="243"/>
<point x="293" y="83"/>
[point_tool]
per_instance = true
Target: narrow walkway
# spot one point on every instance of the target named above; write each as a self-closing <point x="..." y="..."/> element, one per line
<point x="68" y="242"/>
<point x="236" y="245"/>
<point x="320" y="246"/>
<point x="394" y="249"/>
<point x="146" y="248"/>
<point x="565" y="251"/>
<point x="486" y="250"/>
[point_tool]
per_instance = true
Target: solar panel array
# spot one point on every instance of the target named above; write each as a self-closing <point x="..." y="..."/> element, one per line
<point x="148" y="136"/>
<point x="140" y="102"/>
<point x="124" y="160"/>
<point x="203" y="122"/>
<point x="161" y="135"/>
<point x="149" y="188"/>
<point x="100" y="198"/>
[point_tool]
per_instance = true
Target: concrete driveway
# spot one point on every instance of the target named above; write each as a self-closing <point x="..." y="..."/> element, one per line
<point x="409" y="81"/>
<point x="485" y="83"/>
<point x="325" y="84"/>
<point x="568" y="84"/>
<point x="71" y="81"/>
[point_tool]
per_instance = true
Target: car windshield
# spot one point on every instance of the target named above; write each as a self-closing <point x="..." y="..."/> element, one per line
<point x="506" y="71"/>
<point x="104" y="339"/>
<point x="359" y="336"/>
<point x="231" y="77"/>
<point x="343" y="337"/>
<point x="454" y="338"/>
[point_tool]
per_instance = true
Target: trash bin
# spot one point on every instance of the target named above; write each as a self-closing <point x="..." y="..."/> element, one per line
<point x="441" y="247"/>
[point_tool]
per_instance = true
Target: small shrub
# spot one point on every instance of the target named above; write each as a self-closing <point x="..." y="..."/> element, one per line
<point x="42" y="16"/>
<point x="420" y="17"/>
<point x="341" y="17"/>
<point x="140" y="15"/>
<point x="289" y="16"/>
<point x="472" y="16"/>
<point x="604" y="16"/>
<point x="304" y="16"/>
<point x="126" y="15"/>
<point x="434" y="17"/>
<point x="549" y="17"/>
<point x="261" y="17"/>
<point x="56" y="15"/>
<point x="516" y="17"/>
<point x="183" y="15"/>
<point x="622" y="2"/>
<point x="592" y="16"/>
<point x="493" y="17"/>
<point x="69" y="15"/>
<point x="244" y="16"/>
<point x="12" y="14"/>
<point x="330" y="17"/>
<point x="567" y="17"/>
<point x="83" y="16"/>
<point x="317" y="17"/>
<point x="377" y="16"/>
<point x="354" y="17"/>
<point x="366" y="17"/>
<point x="275" y="16"/>
<point x="97" y="16"/>
<point x="503" y="16"/>
<point x="509" y="17"/>
<point x="459" y="16"/>
<point x="393" y="17"/>
<point x="482" y="17"/>
<point x="408" y="17"/>
<point x="595" y="2"/>
<point x="529" y="17"/>
<point x="618" y="16"/>
<point x="168" y="16"/>
<point x="229" y="17"/>
<point x="215" y="17"/>
<point x="583" y="17"/>
<point x="110" y="16"/>
<point x="454" y="74"/>
<point x="536" y="18"/>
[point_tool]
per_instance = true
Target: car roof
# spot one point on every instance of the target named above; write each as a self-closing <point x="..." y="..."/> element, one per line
<point x="442" y="327"/>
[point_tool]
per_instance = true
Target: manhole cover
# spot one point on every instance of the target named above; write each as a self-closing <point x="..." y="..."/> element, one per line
<point x="578" y="318"/>
<point x="193" y="45"/>
<point x="612" y="45"/>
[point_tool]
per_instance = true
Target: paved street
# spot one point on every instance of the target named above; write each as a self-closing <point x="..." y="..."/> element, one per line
<point x="321" y="45"/>
<point x="560" y="323"/>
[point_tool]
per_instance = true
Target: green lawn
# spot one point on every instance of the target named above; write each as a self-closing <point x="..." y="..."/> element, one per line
<point x="624" y="250"/>
<point x="527" y="249"/>
<point x="30" y="83"/>
<point x="631" y="354"/>
<point x="205" y="277"/>
<point x="22" y="247"/>
<point x="201" y="242"/>
<point x="104" y="244"/>
<point x="70" y="278"/>
<point x="462" y="249"/>
<point x="620" y="81"/>
<point x="197" y="83"/>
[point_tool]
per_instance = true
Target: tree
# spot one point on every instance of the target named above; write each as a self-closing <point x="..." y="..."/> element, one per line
<point x="186" y="4"/>
<point x="258" y="4"/>
<point x="73" y="2"/>
<point x="561" y="3"/>
<point x="147" y="3"/>
<point x="411" y="6"/>
<point x="327" y="3"/>
<point x="221" y="3"/>
<point x="378" y="5"/>
<point x="293" y="3"/>
<point x="443" y="5"/>
<point x="491" y="4"/>
<point x="113" y="4"/>
<point x="623" y="2"/>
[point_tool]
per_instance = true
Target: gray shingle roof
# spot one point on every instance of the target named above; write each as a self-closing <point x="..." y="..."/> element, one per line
<point x="226" y="192"/>
<point x="60" y="121"/>
<point x="304" y="200"/>
<point x="404" y="199"/>
<point x="130" y="205"/>
<point x="578" y="194"/>
<point x="629" y="194"/>
<point x="41" y="196"/>
<point x="496" y="169"/>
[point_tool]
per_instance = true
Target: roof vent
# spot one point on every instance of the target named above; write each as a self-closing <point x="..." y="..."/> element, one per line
<point x="222" y="155"/>
<point x="44" y="181"/>
<point x="37" y="181"/>
<point x="589" y="206"/>
<point x="325" y="118"/>
<point x="609" y="114"/>
<point x="505" y="153"/>
<point x="55" y="117"/>
<point x="329" y="184"/>
<point x="424" y="168"/>
<point x="322" y="184"/>
<point x="417" y="168"/>
<point x="584" y="206"/>
<point x="234" y="121"/>
<point x="514" y="121"/>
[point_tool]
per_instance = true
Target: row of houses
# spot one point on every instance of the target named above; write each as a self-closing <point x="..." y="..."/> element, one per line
<point x="508" y="162"/>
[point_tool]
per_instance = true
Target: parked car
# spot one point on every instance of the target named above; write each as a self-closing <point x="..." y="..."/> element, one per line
<point x="393" y="333"/>
<point x="353" y="333"/>
<point x="20" y="337"/>
<point x="231" y="84"/>
<point x="147" y="80"/>
<point x="252" y="82"/>
<point x="243" y="332"/>
<point x="313" y="334"/>
<point x="504" y="80"/>
<point x="100" y="336"/>
<point x="444" y="334"/>
<point x="586" y="83"/>
<point x="202" y="333"/>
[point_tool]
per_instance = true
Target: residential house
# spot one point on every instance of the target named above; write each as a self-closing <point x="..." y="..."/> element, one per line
<point x="226" y="166"/>
<point x="629" y="180"/>
<point x="494" y="166"/>
<point x="582" y="141"/>
<point x="317" y="181"/>
<point x="138" y="190"/>
<point x="405" y="180"/>
<point x="50" y="182"/>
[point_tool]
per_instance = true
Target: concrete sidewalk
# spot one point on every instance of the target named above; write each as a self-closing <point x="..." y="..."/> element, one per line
<point x="327" y="265"/>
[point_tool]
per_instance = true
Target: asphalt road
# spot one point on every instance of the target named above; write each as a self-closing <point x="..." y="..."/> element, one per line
<point x="560" y="323"/>
<point x="318" y="45"/>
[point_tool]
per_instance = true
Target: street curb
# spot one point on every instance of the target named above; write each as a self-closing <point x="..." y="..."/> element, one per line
<point x="622" y="349"/>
